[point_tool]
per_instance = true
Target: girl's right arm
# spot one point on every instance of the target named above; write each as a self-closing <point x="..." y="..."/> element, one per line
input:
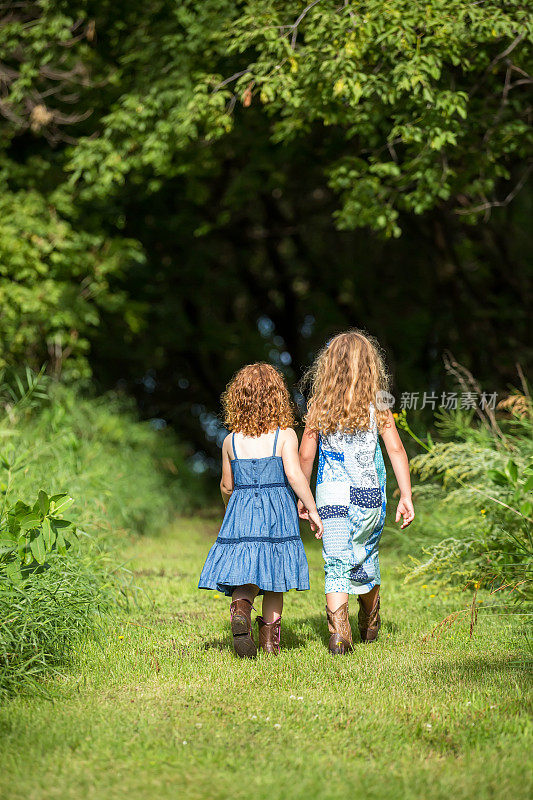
<point x="307" y="455"/>
<point x="226" y="482"/>
<point x="308" y="451"/>
<point x="298" y="480"/>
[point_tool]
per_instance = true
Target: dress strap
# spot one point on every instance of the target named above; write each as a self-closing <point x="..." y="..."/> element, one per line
<point x="233" y="446"/>
<point x="275" y="442"/>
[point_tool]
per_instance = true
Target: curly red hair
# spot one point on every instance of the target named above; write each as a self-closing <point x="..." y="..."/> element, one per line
<point x="257" y="401"/>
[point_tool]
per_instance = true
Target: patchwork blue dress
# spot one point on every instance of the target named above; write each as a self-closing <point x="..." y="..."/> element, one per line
<point x="351" y="501"/>
<point x="259" y="541"/>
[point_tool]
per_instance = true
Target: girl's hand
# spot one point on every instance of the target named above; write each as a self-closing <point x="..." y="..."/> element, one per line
<point x="406" y="510"/>
<point x="303" y="513"/>
<point x="317" y="526"/>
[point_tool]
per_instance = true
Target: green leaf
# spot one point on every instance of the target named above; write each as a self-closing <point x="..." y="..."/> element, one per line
<point x="528" y="486"/>
<point x="13" y="571"/>
<point x="61" y="544"/>
<point x="526" y="509"/>
<point x="512" y="470"/>
<point x="49" y="534"/>
<point x="44" y="501"/>
<point x="7" y="541"/>
<point x="498" y="477"/>
<point x="55" y="497"/>
<point x="60" y="523"/>
<point x="30" y="521"/>
<point x="38" y="549"/>
<point x="60" y="506"/>
<point x="20" y="509"/>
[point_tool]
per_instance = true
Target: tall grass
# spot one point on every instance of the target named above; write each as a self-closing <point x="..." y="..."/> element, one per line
<point x="44" y="614"/>
<point x="122" y="472"/>
<point x="122" y="477"/>
<point x="477" y="485"/>
<point x="475" y="520"/>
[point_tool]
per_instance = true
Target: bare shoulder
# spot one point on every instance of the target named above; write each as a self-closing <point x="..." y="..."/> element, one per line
<point x="288" y="436"/>
<point x="226" y="444"/>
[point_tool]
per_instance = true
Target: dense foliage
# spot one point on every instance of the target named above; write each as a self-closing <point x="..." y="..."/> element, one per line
<point x="475" y="495"/>
<point x="75" y="476"/>
<point x="172" y="174"/>
<point x="426" y="102"/>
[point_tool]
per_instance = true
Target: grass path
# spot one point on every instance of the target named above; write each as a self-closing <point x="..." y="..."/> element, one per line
<point x="160" y="708"/>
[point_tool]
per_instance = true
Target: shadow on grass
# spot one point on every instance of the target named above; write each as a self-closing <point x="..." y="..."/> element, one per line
<point x="218" y="644"/>
<point x="296" y="635"/>
<point x="291" y="639"/>
<point x="319" y="628"/>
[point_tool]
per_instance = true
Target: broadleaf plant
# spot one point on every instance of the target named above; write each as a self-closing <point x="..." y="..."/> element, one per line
<point x="30" y="534"/>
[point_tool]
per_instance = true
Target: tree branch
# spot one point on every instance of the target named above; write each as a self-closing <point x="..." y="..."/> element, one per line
<point x="498" y="203"/>
<point x="231" y="78"/>
<point x="495" y="60"/>
<point x="294" y="26"/>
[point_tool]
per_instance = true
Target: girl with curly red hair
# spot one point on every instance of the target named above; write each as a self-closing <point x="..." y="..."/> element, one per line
<point x="258" y="549"/>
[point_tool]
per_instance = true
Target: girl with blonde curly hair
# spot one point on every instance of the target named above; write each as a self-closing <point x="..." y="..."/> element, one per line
<point x="258" y="549"/>
<point x="348" y="407"/>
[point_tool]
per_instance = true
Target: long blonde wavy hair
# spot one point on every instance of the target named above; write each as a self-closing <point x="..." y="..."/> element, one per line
<point x="257" y="401"/>
<point x="344" y="380"/>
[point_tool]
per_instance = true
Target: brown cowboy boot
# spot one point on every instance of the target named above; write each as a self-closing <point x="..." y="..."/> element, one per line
<point x="340" y="641"/>
<point x="241" y="628"/>
<point x="369" y="623"/>
<point x="269" y="635"/>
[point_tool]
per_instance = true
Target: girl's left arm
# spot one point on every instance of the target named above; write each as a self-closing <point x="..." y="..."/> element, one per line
<point x="226" y="482"/>
<point x="400" y="465"/>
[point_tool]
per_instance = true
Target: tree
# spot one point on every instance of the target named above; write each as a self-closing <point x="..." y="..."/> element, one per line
<point x="428" y="101"/>
<point x="231" y="179"/>
<point x="55" y="260"/>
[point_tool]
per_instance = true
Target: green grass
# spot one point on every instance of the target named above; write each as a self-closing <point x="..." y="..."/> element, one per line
<point x="160" y="708"/>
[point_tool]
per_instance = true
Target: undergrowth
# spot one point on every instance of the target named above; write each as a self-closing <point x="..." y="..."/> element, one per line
<point x="62" y="453"/>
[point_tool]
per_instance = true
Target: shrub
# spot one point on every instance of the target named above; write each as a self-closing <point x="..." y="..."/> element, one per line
<point x="63" y="452"/>
<point x="478" y="482"/>
<point x="45" y="613"/>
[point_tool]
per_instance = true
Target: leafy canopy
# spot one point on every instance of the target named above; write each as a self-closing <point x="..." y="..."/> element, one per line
<point x="429" y="98"/>
<point x="142" y="141"/>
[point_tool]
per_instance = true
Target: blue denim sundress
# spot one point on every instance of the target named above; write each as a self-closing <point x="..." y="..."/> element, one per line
<point x="259" y="540"/>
